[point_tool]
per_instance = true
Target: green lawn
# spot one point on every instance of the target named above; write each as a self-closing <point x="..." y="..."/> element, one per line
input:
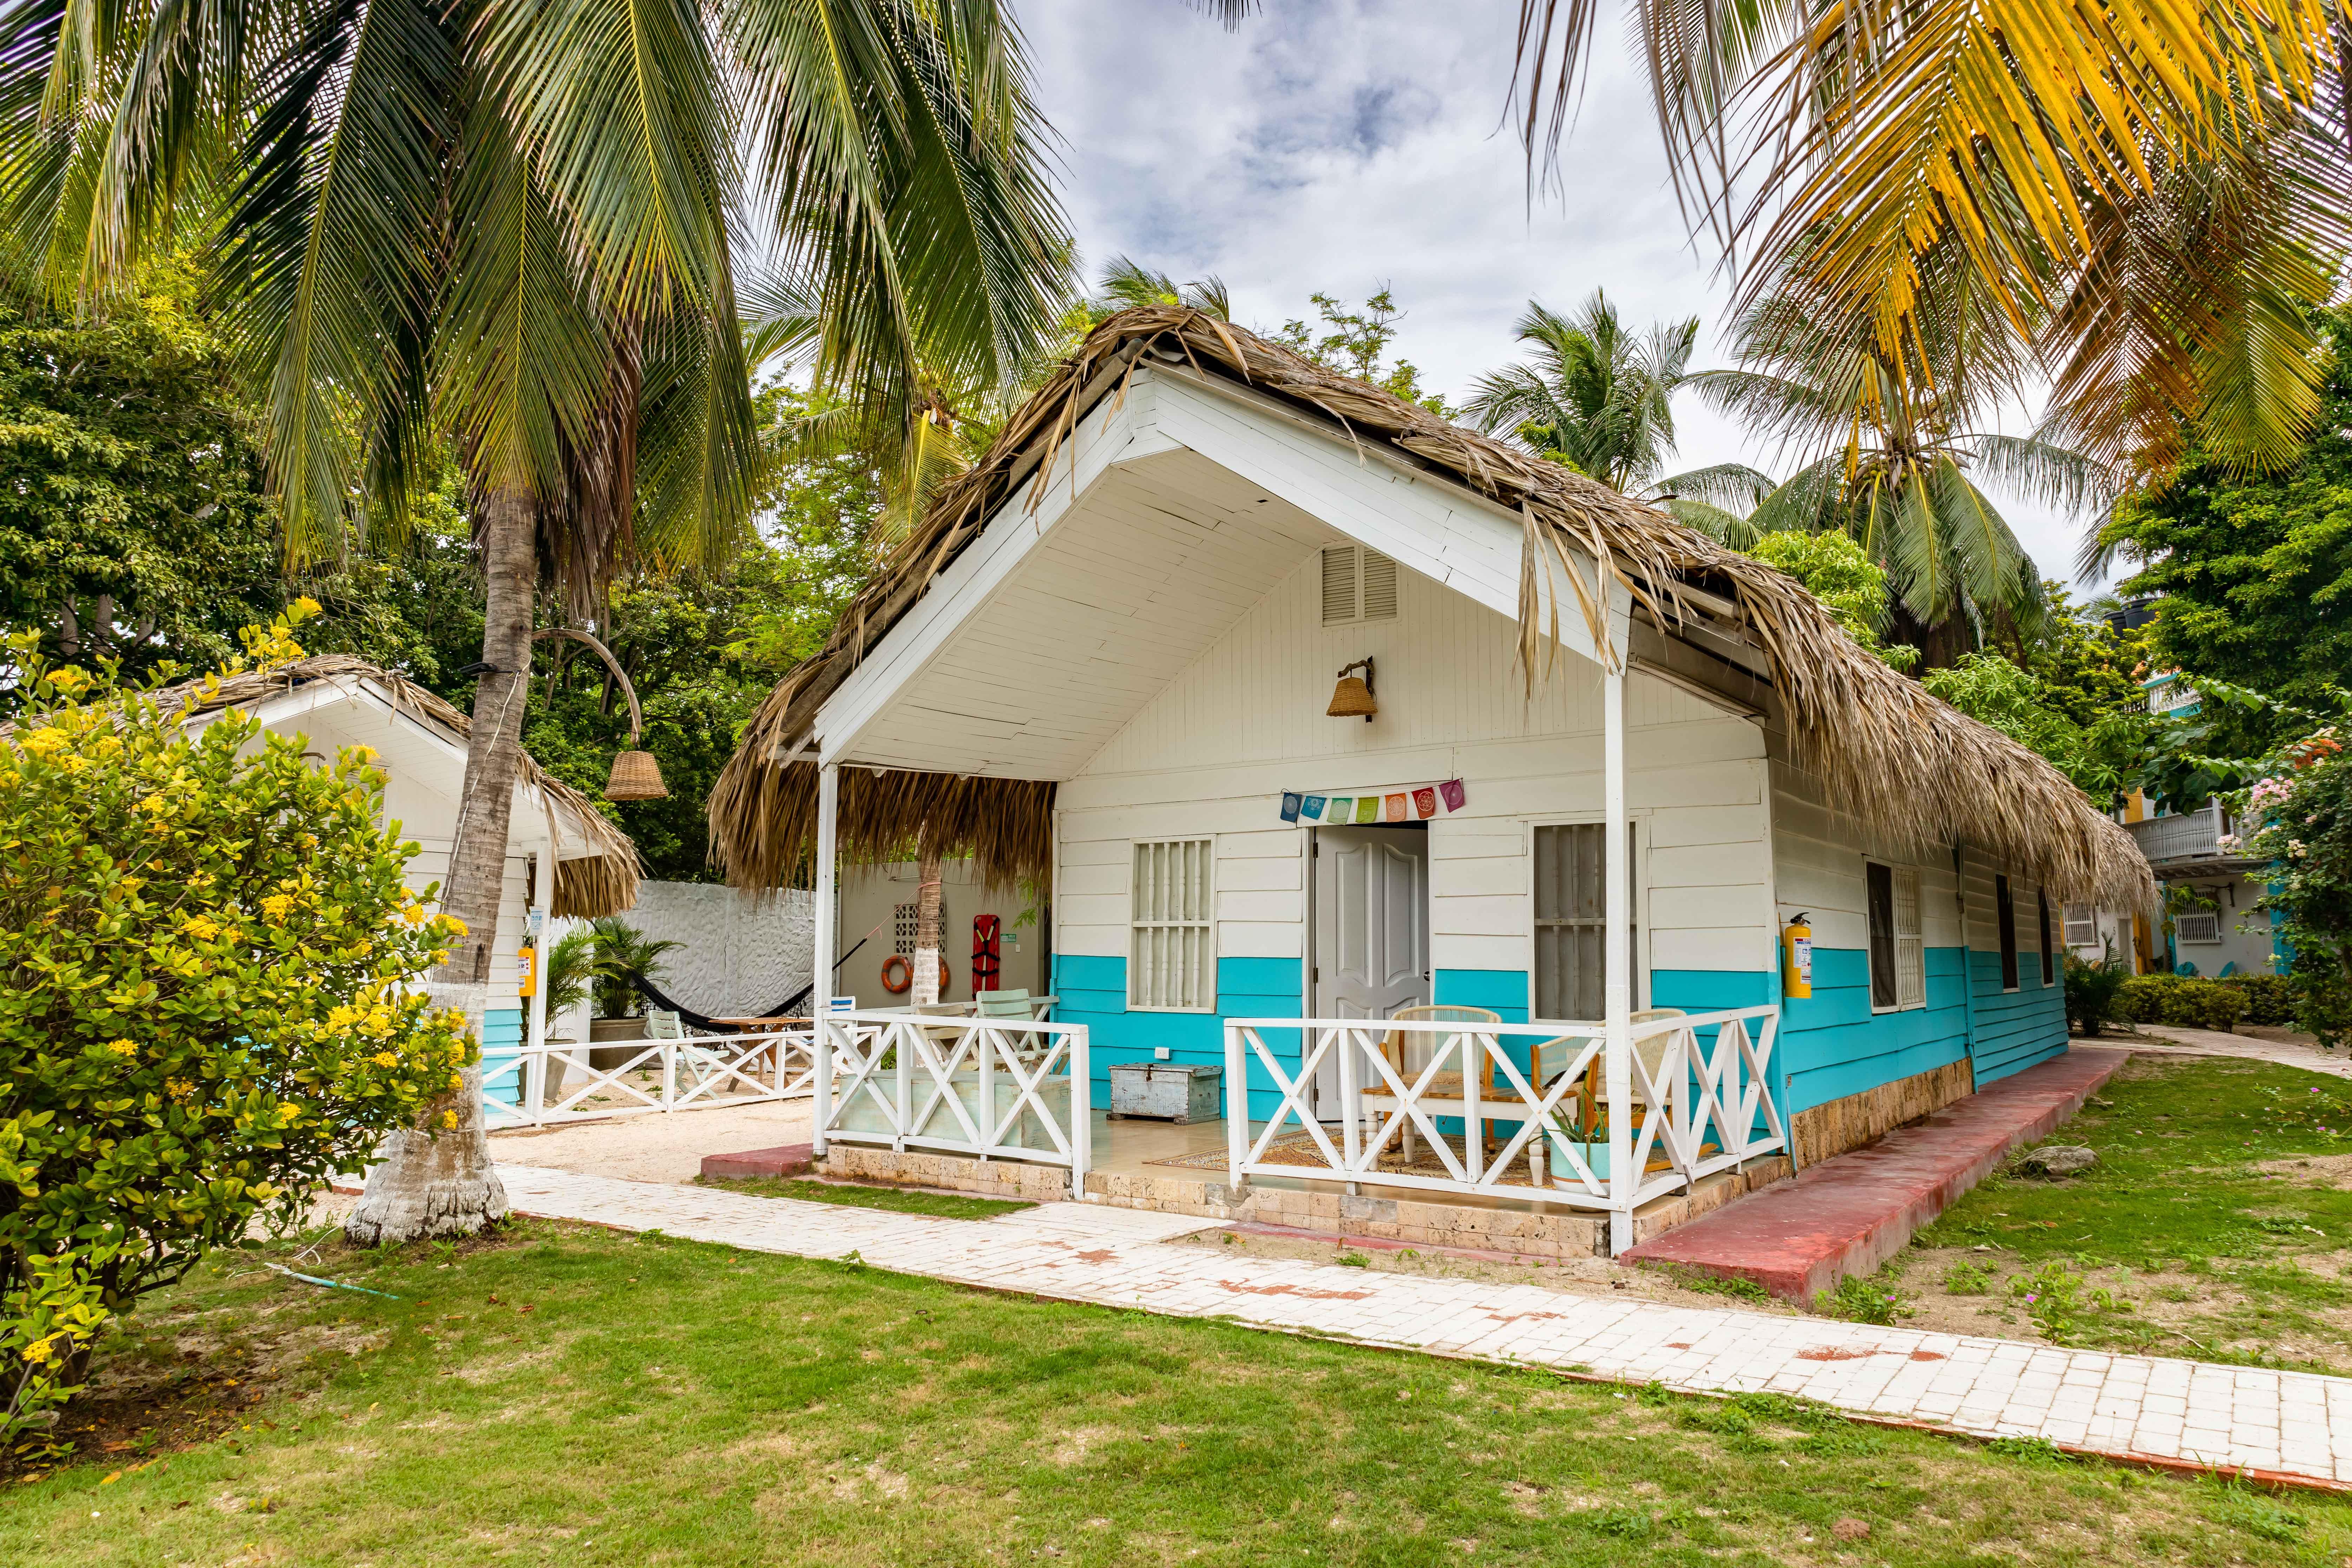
<point x="897" y="1200"/>
<point x="578" y="1396"/>
<point x="2214" y="1224"/>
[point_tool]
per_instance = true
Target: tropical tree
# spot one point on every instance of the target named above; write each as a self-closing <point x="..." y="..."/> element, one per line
<point x="1126" y="284"/>
<point x="515" y="227"/>
<point x="1893" y="458"/>
<point x="1598" y="397"/>
<point x="2170" y="177"/>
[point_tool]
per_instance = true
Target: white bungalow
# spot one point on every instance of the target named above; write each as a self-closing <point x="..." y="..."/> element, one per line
<point x="1602" y="746"/>
<point x="563" y="857"/>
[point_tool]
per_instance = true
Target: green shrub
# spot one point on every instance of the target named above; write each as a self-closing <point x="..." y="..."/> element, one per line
<point x="2269" y="998"/>
<point x="1860" y="1300"/>
<point x="2091" y="993"/>
<point x="2179" y="999"/>
<point x="209" y="953"/>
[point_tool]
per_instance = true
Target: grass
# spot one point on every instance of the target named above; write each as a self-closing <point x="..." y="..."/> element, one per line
<point x="2213" y="1225"/>
<point x="569" y="1394"/>
<point x="896" y="1200"/>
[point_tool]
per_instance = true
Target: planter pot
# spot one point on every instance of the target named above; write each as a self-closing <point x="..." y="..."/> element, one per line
<point x="604" y="1058"/>
<point x="557" y="1067"/>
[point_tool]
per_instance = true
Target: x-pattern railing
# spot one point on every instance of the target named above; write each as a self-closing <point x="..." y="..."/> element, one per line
<point x="1701" y="1108"/>
<point x="554" y="1084"/>
<point x="960" y="1085"/>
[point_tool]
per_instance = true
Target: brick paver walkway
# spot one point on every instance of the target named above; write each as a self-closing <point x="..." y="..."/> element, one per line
<point x="2283" y="1426"/>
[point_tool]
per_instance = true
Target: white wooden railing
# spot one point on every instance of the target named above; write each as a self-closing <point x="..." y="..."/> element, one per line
<point x="1689" y="1107"/>
<point x="541" y="1086"/>
<point x="1001" y="1089"/>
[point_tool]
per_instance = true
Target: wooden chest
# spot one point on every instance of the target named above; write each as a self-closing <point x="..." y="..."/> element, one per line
<point x="1178" y="1091"/>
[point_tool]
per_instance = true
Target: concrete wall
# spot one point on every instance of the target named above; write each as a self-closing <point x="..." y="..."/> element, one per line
<point x="741" y="954"/>
<point x="870" y="897"/>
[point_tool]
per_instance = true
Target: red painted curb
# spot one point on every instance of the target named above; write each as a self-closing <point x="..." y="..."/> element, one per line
<point x="1848" y="1214"/>
<point x="784" y="1159"/>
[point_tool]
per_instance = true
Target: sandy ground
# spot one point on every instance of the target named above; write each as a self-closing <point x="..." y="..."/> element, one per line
<point x="2293" y="1050"/>
<point x="658" y="1147"/>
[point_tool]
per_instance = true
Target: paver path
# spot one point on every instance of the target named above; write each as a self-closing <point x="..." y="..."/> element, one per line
<point x="2283" y="1426"/>
<point x="2172" y="1040"/>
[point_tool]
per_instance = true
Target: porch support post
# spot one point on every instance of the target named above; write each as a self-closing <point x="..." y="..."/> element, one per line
<point x="828" y="816"/>
<point x="1617" y="990"/>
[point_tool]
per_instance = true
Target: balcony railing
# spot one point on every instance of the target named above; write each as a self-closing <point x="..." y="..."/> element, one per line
<point x="545" y="1086"/>
<point x="1001" y="1089"/>
<point x="2190" y="836"/>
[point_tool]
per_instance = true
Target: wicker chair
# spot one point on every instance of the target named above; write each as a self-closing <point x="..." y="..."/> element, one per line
<point x="1397" y="1046"/>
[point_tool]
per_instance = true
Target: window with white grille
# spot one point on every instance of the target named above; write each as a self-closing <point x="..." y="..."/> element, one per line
<point x="1898" y="953"/>
<point x="1572" y="926"/>
<point x="1358" y="584"/>
<point x="2197" y="925"/>
<point x="2082" y="925"/>
<point x="1172" y="947"/>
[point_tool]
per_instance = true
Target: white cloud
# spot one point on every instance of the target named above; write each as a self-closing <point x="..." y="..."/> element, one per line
<point x="1345" y="145"/>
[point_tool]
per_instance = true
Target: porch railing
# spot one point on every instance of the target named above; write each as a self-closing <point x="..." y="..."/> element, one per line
<point x="541" y="1086"/>
<point x="1690" y="1096"/>
<point x="1001" y="1089"/>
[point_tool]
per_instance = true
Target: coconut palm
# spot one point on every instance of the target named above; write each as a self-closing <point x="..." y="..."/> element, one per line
<point x="514" y="229"/>
<point x="1598" y="397"/>
<point x="1899" y="471"/>
<point x="1126" y="283"/>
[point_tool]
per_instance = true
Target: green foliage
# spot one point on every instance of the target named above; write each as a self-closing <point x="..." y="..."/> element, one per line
<point x="1968" y="1279"/>
<point x="132" y="524"/>
<point x="2269" y="998"/>
<point x="1356" y="343"/>
<point x="2302" y="817"/>
<point x="2051" y="1296"/>
<point x="2254" y="575"/>
<point x="570" y="970"/>
<point x="1863" y="1299"/>
<point x="2100" y="758"/>
<point x="624" y="952"/>
<point x="1836" y="570"/>
<point x="2185" y="1001"/>
<point x="1597" y="396"/>
<point x="210" y="1009"/>
<point x="2086" y="670"/>
<point x="2091" y="993"/>
<point x="2256" y="1513"/>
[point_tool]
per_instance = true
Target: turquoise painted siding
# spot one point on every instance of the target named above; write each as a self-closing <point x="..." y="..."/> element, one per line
<point x="2016" y="1028"/>
<point x="1093" y="992"/>
<point x="502" y="1037"/>
<point x="1833" y="1044"/>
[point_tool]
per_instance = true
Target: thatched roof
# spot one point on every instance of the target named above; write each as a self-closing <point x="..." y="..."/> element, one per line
<point x="1904" y="761"/>
<point x="602" y="882"/>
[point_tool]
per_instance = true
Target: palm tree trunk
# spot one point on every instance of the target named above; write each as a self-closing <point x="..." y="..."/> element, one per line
<point x="928" y="967"/>
<point x="437" y="1179"/>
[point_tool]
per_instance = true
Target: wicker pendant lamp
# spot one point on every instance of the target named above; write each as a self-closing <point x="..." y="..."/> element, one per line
<point x="635" y="775"/>
<point x="1353" y="697"/>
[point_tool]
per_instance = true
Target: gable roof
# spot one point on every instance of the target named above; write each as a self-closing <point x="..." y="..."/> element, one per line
<point x="1901" y="759"/>
<point x="601" y="882"/>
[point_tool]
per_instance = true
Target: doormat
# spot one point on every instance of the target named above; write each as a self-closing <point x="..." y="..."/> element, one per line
<point x="1298" y="1149"/>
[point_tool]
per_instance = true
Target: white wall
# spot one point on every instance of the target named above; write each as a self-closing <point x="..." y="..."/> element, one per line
<point x="1212" y="752"/>
<point x="743" y="953"/>
<point x="1818" y="855"/>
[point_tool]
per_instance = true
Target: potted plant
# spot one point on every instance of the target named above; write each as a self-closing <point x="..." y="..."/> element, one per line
<point x="624" y="955"/>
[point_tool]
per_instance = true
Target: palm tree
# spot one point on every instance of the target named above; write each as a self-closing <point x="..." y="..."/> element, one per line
<point x="1898" y="472"/>
<point x="515" y="228"/>
<point x="1600" y="399"/>
<point x="1126" y="283"/>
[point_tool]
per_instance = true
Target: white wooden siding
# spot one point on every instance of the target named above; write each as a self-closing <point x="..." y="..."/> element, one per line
<point x="1817" y="857"/>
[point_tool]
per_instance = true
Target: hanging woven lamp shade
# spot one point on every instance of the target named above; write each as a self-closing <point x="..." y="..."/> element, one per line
<point x="1353" y="697"/>
<point x="636" y="776"/>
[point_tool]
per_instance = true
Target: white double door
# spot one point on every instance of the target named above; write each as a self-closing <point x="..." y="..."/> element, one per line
<point x="1372" y="931"/>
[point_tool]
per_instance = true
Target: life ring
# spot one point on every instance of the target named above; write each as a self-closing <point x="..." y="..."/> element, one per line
<point x="906" y="975"/>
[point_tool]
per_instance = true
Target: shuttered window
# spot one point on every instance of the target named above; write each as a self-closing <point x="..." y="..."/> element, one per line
<point x="1172" y="949"/>
<point x="2004" y="909"/>
<point x="1358" y="584"/>
<point x="1571" y="928"/>
<point x="1898" y="953"/>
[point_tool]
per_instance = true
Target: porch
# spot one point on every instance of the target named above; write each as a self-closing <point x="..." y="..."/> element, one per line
<point x="1578" y="1149"/>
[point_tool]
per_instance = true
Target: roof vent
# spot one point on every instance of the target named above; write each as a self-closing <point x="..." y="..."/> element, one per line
<point x="1358" y="584"/>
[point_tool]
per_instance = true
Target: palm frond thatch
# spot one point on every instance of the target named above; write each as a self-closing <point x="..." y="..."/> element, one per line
<point x="601" y="883"/>
<point x="1904" y="763"/>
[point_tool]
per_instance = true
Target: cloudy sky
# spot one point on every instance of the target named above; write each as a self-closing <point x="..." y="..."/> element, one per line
<point x="1345" y="145"/>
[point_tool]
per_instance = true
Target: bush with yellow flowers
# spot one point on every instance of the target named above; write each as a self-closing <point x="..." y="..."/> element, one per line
<point x="209" y="994"/>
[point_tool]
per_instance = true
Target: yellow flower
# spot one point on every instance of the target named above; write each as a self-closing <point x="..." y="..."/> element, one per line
<point x="179" y="1088"/>
<point x="122" y="1048"/>
<point x="39" y="1352"/>
<point x="340" y="1017"/>
<point x="384" y="1059"/>
<point x="413" y="913"/>
<point x="277" y="906"/>
<point x="449" y="1118"/>
<point x="305" y="606"/>
<point x="155" y="806"/>
<point x="69" y="679"/>
<point x="48" y="738"/>
<point x="202" y="927"/>
<point x="453" y="925"/>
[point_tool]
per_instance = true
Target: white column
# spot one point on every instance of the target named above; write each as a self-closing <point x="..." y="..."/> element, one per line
<point x="1617" y="990"/>
<point x="828" y="816"/>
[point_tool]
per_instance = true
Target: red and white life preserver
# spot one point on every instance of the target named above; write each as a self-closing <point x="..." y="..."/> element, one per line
<point x="985" y="962"/>
<point x="906" y="975"/>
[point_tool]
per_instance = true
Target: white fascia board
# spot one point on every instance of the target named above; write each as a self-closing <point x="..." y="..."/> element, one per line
<point x="1443" y="531"/>
<point x="1121" y="430"/>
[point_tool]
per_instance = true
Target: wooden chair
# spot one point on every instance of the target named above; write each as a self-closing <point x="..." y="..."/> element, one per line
<point x="1445" y="1089"/>
<point x="1592" y="1093"/>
